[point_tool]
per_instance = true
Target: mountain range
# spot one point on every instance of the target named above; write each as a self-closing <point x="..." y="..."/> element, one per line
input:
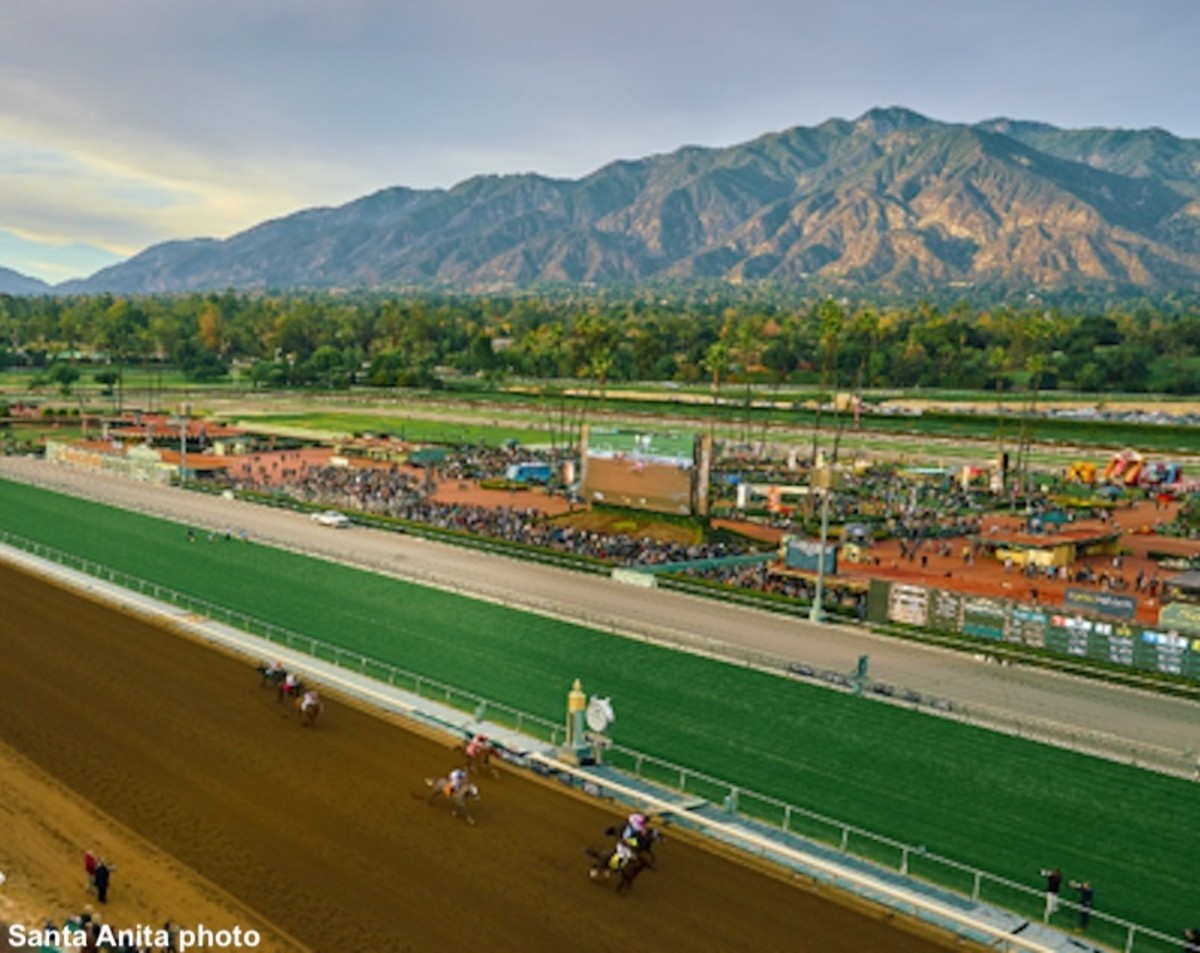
<point x="15" y="283"/>
<point x="892" y="200"/>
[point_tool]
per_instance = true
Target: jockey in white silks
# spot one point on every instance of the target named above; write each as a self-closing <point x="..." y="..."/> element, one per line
<point x="622" y="854"/>
<point x="290" y="683"/>
<point x="457" y="780"/>
<point x="311" y="700"/>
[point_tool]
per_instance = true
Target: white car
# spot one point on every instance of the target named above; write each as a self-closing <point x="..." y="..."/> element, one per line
<point x="332" y="518"/>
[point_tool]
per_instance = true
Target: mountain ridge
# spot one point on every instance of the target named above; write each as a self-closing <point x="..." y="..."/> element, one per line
<point x="14" y="283"/>
<point x="892" y="200"/>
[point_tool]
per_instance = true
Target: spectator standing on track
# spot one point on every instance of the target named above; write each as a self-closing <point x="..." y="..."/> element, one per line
<point x="101" y="877"/>
<point x="89" y="868"/>
<point x="1053" y="886"/>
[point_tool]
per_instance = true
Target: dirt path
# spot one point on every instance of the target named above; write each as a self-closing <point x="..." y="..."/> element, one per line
<point x="45" y="829"/>
<point x="326" y="831"/>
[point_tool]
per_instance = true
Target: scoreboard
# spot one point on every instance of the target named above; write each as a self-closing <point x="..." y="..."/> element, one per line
<point x="909" y="604"/>
<point x="1027" y="625"/>
<point x="984" y="618"/>
<point x="1116" y="641"/>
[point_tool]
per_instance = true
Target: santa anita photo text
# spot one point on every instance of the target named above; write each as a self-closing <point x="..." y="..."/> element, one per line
<point x="199" y="938"/>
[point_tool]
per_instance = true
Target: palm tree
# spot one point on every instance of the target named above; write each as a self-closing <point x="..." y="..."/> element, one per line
<point x="830" y="318"/>
<point x="717" y="361"/>
<point x="748" y="344"/>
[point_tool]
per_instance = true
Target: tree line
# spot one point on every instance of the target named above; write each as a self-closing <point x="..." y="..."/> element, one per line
<point x="388" y="340"/>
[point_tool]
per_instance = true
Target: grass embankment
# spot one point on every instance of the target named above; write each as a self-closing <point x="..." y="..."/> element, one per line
<point x="999" y="803"/>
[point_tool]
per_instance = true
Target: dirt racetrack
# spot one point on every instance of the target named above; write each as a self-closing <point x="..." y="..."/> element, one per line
<point x="325" y="832"/>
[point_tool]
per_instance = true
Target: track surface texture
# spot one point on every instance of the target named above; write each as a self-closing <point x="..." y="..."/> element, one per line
<point x="325" y="832"/>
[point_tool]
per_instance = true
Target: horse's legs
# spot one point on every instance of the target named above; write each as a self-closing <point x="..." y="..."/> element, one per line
<point x="460" y="807"/>
<point x="628" y="875"/>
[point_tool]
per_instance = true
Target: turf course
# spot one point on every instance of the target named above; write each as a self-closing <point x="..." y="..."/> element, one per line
<point x="1005" y="805"/>
<point x="457" y="433"/>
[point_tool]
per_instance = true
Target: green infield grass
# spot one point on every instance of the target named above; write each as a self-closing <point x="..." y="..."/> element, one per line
<point x="1002" y="804"/>
<point x="415" y="429"/>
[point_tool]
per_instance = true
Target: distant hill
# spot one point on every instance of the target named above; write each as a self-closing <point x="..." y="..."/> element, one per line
<point x="891" y="200"/>
<point x="15" y="283"/>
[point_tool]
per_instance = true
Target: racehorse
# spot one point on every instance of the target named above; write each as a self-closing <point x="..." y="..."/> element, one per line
<point x="478" y="752"/>
<point x="270" y="674"/>
<point x="621" y="860"/>
<point x="642" y="842"/>
<point x="309" y="709"/>
<point x="290" y="687"/>
<point x="444" y="787"/>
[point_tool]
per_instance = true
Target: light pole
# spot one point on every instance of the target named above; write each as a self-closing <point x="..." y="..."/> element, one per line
<point x="824" y="478"/>
<point x="817" y="613"/>
<point x="185" y="412"/>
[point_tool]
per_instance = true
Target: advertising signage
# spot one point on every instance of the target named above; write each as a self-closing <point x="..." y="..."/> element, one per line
<point x="1061" y="631"/>
<point x="1100" y="603"/>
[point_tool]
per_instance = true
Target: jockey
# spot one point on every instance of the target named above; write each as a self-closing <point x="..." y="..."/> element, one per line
<point x="277" y="667"/>
<point x="311" y="700"/>
<point x="457" y="780"/>
<point x="478" y="747"/>
<point x="635" y="830"/>
<point x="290" y="683"/>
<point x="622" y="854"/>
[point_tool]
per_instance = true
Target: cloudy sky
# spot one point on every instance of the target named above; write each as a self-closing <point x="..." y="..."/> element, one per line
<point x="125" y="123"/>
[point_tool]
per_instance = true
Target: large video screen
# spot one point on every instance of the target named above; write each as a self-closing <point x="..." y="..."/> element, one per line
<point x="645" y="471"/>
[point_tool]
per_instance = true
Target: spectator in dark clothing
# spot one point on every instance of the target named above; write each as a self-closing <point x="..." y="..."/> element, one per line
<point x="100" y="877"/>
<point x="1085" y="901"/>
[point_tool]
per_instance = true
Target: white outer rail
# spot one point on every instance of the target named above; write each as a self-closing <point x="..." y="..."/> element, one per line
<point x="902" y="898"/>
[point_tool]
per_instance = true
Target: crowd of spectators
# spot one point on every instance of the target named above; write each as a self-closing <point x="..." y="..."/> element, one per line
<point x="898" y="504"/>
<point x="923" y="516"/>
<point x="760" y="578"/>
<point x="488" y="463"/>
<point x="408" y="495"/>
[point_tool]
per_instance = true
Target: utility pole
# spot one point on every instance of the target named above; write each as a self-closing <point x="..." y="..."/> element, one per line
<point x="185" y="412"/>
<point x="824" y="478"/>
<point x="817" y="613"/>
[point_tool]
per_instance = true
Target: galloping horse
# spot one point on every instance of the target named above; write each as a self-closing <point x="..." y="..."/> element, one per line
<point x="621" y="860"/>
<point x="457" y="796"/>
<point x="479" y="751"/>
<point x="641" y="842"/>
<point x="270" y="674"/>
<point x="309" y="705"/>
<point x="290" y="686"/>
